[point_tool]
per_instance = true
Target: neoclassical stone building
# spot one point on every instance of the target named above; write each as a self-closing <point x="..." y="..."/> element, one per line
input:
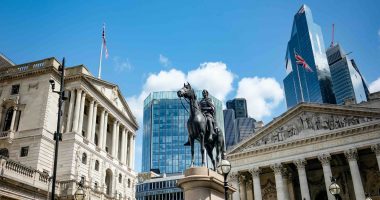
<point x="97" y="142"/>
<point x="294" y="156"/>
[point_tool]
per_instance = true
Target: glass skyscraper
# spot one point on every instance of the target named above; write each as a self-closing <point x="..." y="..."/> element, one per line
<point x="347" y="80"/>
<point x="307" y="41"/>
<point x="165" y="132"/>
<point x="239" y="105"/>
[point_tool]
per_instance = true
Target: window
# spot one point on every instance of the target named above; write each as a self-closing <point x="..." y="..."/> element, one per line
<point x="84" y="158"/>
<point x="15" y="89"/>
<point x="120" y="178"/>
<point x="4" y="153"/>
<point x="129" y="183"/>
<point x="97" y="165"/>
<point x="96" y="185"/>
<point x="8" y="119"/>
<point x="24" y="151"/>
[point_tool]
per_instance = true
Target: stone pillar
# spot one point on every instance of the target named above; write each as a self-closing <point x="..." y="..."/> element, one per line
<point x="233" y="178"/>
<point x="352" y="157"/>
<point x="105" y="130"/>
<point x="243" y="189"/>
<point x="70" y="111"/>
<point x="81" y="113"/>
<point x="117" y="140"/>
<point x="256" y="182"/>
<point x="113" y="138"/>
<point x="77" y="109"/>
<point x="305" y="194"/>
<point x="93" y="123"/>
<point x="133" y="151"/>
<point x="14" y="113"/>
<point x="277" y="168"/>
<point x="127" y="141"/>
<point x="376" y="149"/>
<point x="123" y="145"/>
<point x="101" y="129"/>
<point x="89" y="119"/>
<point x="325" y="161"/>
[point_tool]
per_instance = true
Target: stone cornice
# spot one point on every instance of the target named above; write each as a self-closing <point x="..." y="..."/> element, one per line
<point x="317" y="138"/>
<point x="302" y="108"/>
<point x="89" y="86"/>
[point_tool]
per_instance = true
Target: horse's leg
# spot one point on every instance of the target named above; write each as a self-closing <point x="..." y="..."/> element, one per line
<point x="202" y="141"/>
<point x="192" y="151"/>
<point x="209" y="152"/>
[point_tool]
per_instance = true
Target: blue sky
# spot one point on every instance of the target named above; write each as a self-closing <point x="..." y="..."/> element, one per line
<point x="157" y="44"/>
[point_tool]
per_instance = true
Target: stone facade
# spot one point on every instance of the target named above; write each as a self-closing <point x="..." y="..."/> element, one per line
<point x="295" y="155"/>
<point x="98" y="137"/>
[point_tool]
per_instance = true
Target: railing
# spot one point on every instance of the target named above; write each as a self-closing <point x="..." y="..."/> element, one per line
<point x="29" y="66"/>
<point x="9" y="135"/>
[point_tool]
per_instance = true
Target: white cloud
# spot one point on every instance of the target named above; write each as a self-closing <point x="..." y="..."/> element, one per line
<point x="164" y="60"/>
<point x="262" y="95"/>
<point x="121" y="65"/>
<point x="375" y="85"/>
<point x="214" y="77"/>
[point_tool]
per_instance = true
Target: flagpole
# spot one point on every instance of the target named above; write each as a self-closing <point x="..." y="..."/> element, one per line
<point x="100" y="62"/>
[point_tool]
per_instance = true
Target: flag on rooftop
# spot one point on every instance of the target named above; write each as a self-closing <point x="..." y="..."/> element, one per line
<point x="104" y="41"/>
<point x="302" y="62"/>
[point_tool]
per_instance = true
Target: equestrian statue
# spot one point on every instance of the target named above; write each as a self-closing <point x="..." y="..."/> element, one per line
<point x="202" y="125"/>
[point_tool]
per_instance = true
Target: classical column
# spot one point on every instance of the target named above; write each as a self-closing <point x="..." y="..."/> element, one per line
<point x="133" y="151"/>
<point x="325" y="161"/>
<point x="113" y="138"/>
<point x="77" y="110"/>
<point x="243" y="191"/>
<point x="376" y="149"/>
<point x="277" y="168"/>
<point x="352" y="157"/>
<point x="123" y="145"/>
<point x="256" y="182"/>
<point x="233" y="178"/>
<point x="93" y="128"/>
<point x="81" y="113"/>
<point x="14" y="113"/>
<point x="70" y="111"/>
<point x="101" y="129"/>
<point x="105" y="130"/>
<point x="127" y="141"/>
<point x="89" y="120"/>
<point x="117" y="140"/>
<point x="302" y="178"/>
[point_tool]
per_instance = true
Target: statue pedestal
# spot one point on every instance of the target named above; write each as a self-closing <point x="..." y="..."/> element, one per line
<point x="201" y="183"/>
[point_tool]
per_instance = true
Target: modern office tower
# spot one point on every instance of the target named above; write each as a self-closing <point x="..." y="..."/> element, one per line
<point x="239" y="105"/>
<point x="165" y="132"/>
<point x="229" y="127"/>
<point x="347" y="80"/>
<point x="245" y="126"/>
<point x="98" y="134"/>
<point x="310" y="79"/>
<point x="366" y="90"/>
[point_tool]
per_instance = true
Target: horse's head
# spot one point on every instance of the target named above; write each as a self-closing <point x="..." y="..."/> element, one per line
<point x="186" y="91"/>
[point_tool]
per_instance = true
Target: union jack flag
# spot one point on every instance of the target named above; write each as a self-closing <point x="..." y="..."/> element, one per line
<point x="104" y="41"/>
<point x="301" y="10"/>
<point x="302" y="62"/>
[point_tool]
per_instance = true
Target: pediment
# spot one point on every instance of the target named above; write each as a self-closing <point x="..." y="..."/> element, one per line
<point x="306" y="120"/>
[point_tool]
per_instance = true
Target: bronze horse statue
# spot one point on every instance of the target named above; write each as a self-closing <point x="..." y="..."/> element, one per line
<point x="197" y="129"/>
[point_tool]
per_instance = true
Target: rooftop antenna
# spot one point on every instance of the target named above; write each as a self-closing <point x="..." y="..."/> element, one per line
<point x="332" y="38"/>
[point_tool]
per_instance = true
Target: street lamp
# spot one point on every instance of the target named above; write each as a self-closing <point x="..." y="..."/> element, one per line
<point x="80" y="194"/>
<point x="225" y="168"/>
<point x="334" y="188"/>
<point x="57" y="134"/>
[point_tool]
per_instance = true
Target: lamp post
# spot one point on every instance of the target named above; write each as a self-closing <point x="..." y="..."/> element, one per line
<point x="334" y="188"/>
<point x="225" y="168"/>
<point x="57" y="134"/>
<point x="80" y="194"/>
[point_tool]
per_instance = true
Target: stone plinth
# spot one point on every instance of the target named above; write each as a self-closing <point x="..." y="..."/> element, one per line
<point x="201" y="183"/>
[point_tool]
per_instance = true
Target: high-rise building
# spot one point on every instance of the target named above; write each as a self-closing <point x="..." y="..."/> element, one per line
<point x="347" y="80"/>
<point x="165" y="132"/>
<point x="229" y="127"/>
<point x="366" y="90"/>
<point x="245" y="126"/>
<point x="300" y="84"/>
<point x="239" y="105"/>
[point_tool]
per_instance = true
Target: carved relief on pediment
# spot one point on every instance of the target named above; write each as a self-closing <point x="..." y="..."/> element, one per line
<point x="307" y="123"/>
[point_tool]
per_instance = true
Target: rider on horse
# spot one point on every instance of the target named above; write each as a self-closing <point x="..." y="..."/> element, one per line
<point x="208" y="109"/>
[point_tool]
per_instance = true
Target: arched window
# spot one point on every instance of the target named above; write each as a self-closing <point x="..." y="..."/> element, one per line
<point x="97" y="165"/>
<point x="129" y="183"/>
<point x="8" y="119"/>
<point x="84" y="158"/>
<point x="120" y="178"/>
